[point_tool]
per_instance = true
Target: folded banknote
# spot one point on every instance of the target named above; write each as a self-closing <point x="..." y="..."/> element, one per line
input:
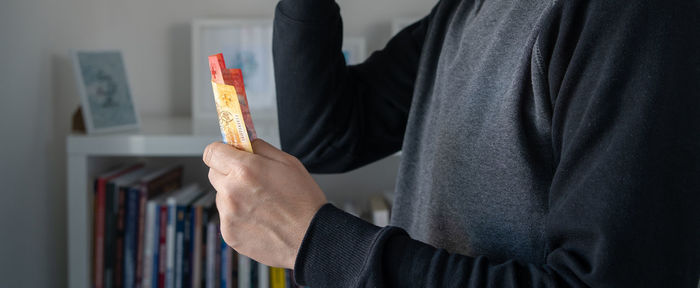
<point x="235" y="121"/>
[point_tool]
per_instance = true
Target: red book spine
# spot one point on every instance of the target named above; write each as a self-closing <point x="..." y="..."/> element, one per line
<point x="99" y="233"/>
<point x="162" y="250"/>
<point x="140" y="235"/>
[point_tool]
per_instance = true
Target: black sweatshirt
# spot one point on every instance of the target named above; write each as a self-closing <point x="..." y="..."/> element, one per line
<point x="544" y="143"/>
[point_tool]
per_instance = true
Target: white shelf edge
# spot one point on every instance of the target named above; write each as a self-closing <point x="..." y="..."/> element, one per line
<point x="138" y="145"/>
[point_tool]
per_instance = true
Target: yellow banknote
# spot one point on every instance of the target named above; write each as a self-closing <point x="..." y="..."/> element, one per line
<point x="231" y="117"/>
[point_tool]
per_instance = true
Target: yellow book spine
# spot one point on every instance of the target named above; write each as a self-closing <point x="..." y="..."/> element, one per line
<point x="277" y="278"/>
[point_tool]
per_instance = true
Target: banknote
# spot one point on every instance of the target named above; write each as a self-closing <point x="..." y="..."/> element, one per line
<point x="235" y="121"/>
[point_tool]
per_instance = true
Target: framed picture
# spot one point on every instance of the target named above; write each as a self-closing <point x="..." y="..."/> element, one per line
<point x="354" y="50"/>
<point x="104" y="91"/>
<point x="247" y="45"/>
<point x="399" y="23"/>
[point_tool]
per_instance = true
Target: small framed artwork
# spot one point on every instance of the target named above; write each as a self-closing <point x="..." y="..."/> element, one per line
<point x="399" y="23"/>
<point x="247" y="45"/>
<point x="103" y="86"/>
<point x="354" y="50"/>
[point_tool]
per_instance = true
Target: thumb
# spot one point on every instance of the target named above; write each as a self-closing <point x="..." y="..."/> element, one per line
<point x="262" y="148"/>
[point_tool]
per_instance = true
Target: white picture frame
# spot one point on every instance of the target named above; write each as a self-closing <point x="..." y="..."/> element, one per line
<point x="245" y="44"/>
<point x="103" y="86"/>
<point x="354" y="50"/>
<point x="397" y="24"/>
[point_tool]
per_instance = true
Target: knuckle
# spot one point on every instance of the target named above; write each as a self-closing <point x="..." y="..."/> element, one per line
<point x="245" y="173"/>
<point x="291" y="160"/>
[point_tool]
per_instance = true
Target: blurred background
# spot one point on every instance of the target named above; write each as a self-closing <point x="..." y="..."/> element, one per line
<point x="38" y="94"/>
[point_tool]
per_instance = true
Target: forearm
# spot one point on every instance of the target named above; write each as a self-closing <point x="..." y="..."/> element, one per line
<point x="310" y="73"/>
<point x="341" y="250"/>
<point x="335" y="117"/>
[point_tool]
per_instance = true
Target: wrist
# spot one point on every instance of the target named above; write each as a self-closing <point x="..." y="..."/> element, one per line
<point x="334" y="249"/>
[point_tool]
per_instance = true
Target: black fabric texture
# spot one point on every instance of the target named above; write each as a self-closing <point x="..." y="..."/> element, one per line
<point x="544" y="144"/>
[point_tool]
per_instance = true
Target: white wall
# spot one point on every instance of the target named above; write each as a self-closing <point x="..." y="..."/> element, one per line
<point x="37" y="96"/>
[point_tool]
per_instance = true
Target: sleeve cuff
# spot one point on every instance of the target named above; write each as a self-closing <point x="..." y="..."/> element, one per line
<point x="335" y="249"/>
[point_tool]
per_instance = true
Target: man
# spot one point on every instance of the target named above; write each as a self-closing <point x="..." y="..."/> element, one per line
<point x="545" y="144"/>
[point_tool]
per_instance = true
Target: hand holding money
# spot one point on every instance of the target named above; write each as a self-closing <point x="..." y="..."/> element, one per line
<point x="265" y="200"/>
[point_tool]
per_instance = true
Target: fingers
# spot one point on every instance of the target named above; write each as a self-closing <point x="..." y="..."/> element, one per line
<point x="223" y="157"/>
<point x="266" y="150"/>
<point x="217" y="180"/>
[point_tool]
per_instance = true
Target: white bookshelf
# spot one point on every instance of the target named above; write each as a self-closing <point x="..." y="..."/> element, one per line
<point x="175" y="140"/>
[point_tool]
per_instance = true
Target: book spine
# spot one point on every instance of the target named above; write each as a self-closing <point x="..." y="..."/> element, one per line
<point x="148" y="244"/>
<point x="119" y="254"/>
<point x="224" y="265"/>
<point x="187" y="250"/>
<point x="130" y="237"/>
<point x="162" y="246"/>
<point x="197" y="247"/>
<point x="112" y="207"/>
<point x="263" y="276"/>
<point x="289" y="278"/>
<point x="254" y="275"/>
<point x="170" y="248"/>
<point x="217" y="258"/>
<point x="211" y="235"/>
<point x="277" y="278"/>
<point x="179" y="245"/>
<point x="141" y="237"/>
<point x="205" y="234"/>
<point x="243" y="271"/>
<point x="234" y="269"/>
<point x="99" y="229"/>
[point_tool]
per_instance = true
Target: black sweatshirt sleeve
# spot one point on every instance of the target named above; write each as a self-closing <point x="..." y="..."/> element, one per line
<point x="335" y="117"/>
<point x="624" y="80"/>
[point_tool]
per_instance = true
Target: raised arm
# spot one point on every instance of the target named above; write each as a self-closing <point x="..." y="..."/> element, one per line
<point x="332" y="116"/>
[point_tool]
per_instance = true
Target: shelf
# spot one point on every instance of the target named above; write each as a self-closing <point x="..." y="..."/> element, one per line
<point x="182" y="141"/>
<point x="159" y="137"/>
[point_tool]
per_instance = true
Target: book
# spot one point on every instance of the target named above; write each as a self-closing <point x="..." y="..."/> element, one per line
<point x="100" y="199"/>
<point x="211" y="248"/>
<point x="289" y="276"/>
<point x="226" y="265"/>
<point x="151" y="241"/>
<point x="278" y="278"/>
<point x="130" y="236"/>
<point x="200" y="211"/>
<point x="114" y="226"/>
<point x="162" y="250"/>
<point x="263" y="276"/>
<point x="244" y="271"/>
<point x="177" y="203"/>
<point x="160" y="181"/>
<point x="188" y="243"/>
<point x="379" y="210"/>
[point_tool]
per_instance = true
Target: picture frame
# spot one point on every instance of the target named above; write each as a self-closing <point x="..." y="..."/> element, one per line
<point x="103" y="86"/>
<point x="398" y="24"/>
<point x="354" y="50"/>
<point x="246" y="44"/>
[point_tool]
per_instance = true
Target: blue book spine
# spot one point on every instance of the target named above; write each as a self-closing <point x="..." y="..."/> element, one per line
<point x="189" y="240"/>
<point x="224" y="264"/>
<point x="186" y="249"/>
<point x="156" y="249"/>
<point x="130" y="236"/>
